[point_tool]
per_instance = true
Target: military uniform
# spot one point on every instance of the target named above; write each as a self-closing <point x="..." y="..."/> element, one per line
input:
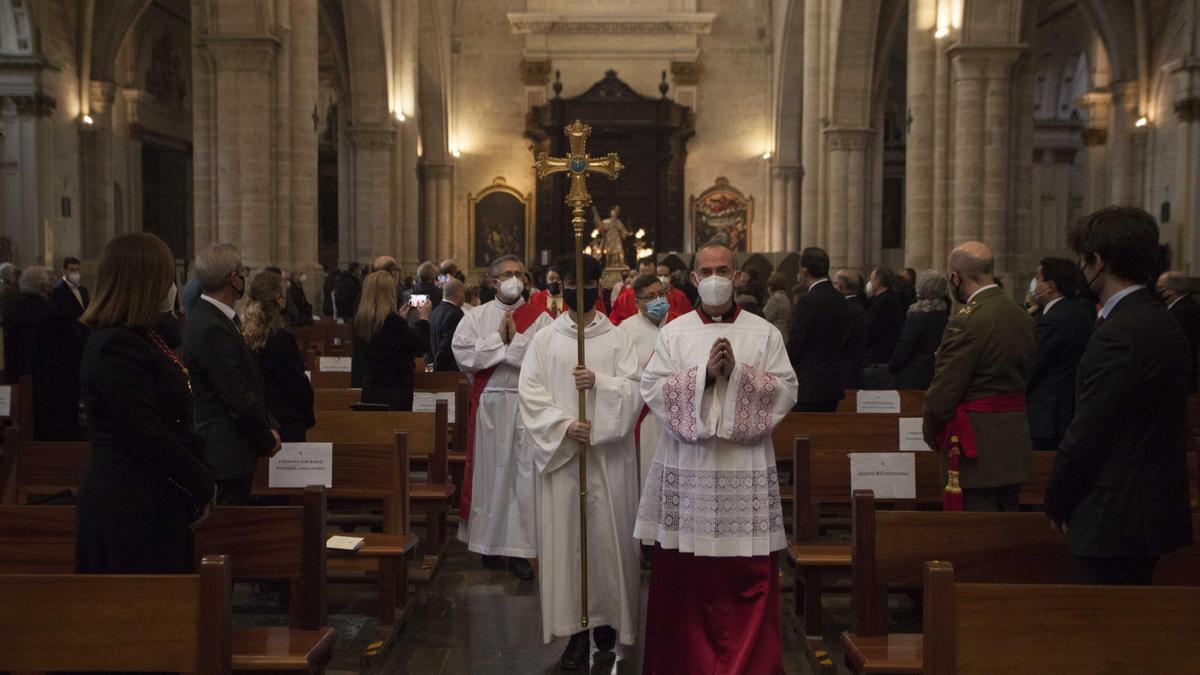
<point x="988" y="350"/>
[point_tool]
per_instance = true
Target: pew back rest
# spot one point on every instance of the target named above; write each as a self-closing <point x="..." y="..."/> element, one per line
<point x="118" y="622"/>
<point x="427" y="433"/>
<point x="37" y="539"/>
<point x="335" y="399"/>
<point x="44" y="467"/>
<point x="1020" y="628"/>
<point x="912" y="402"/>
<point x="866" y="432"/>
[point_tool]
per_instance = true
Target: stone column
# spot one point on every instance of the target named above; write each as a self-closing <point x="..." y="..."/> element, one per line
<point x="847" y="194"/>
<point x="96" y="174"/>
<point x="301" y="109"/>
<point x="942" y="178"/>
<point x="811" y="137"/>
<point x="792" y="241"/>
<point x="919" y="148"/>
<point x="1095" y="149"/>
<point x="438" y="181"/>
<point x="969" y="84"/>
<point x="1185" y="74"/>
<point x="1122" y="153"/>
<point x="370" y="193"/>
<point x="998" y="168"/>
<point x="776" y="238"/>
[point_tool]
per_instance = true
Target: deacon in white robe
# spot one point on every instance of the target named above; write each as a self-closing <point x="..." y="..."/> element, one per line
<point x="642" y="329"/>
<point x="549" y="406"/>
<point x="720" y="380"/>
<point x="489" y="345"/>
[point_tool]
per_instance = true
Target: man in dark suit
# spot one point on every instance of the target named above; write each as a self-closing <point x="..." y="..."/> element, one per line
<point x="442" y="323"/>
<point x="346" y="290"/>
<point x="1174" y="289"/>
<point x="1119" y="489"/>
<point x="819" y="343"/>
<point x="885" y="317"/>
<point x="231" y="409"/>
<point x="849" y="284"/>
<point x="1064" y="325"/>
<point x="980" y="376"/>
<point x="69" y="298"/>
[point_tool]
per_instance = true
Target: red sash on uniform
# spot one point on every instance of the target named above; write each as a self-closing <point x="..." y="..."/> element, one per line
<point x="959" y="438"/>
<point x="523" y="318"/>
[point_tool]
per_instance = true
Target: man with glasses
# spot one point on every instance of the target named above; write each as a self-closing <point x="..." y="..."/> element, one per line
<point x="497" y="501"/>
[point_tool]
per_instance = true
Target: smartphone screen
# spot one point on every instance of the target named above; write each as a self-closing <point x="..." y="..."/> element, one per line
<point x="418" y="300"/>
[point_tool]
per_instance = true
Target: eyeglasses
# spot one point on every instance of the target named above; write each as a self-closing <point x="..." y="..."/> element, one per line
<point x="507" y="275"/>
<point x="648" y="298"/>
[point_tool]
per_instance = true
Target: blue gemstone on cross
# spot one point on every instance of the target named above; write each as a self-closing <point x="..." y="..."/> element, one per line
<point x="578" y="165"/>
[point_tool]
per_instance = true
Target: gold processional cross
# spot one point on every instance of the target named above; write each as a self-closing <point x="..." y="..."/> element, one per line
<point x="579" y="165"/>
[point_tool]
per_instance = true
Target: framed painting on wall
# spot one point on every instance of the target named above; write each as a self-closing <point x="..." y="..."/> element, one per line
<point x="722" y="212"/>
<point x="500" y="222"/>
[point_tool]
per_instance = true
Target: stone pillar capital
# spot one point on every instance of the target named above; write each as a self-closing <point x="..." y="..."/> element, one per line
<point x="247" y="53"/>
<point x="1094" y="136"/>
<point x="983" y="61"/>
<point x="436" y="169"/>
<point x="848" y="138"/>
<point x="101" y="95"/>
<point x="372" y="137"/>
<point x="1185" y="77"/>
<point x="1125" y="94"/>
<point x="786" y="171"/>
<point x="34" y="105"/>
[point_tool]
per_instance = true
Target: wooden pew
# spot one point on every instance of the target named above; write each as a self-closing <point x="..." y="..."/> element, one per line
<point x="912" y="402"/>
<point x="838" y="431"/>
<point x="20" y="416"/>
<point x="262" y="543"/>
<point x="441" y="382"/>
<point x="335" y="399"/>
<point x="118" y="622"/>
<point x="1021" y="628"/>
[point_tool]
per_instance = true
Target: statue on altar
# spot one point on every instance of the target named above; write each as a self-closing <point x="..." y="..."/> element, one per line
<point x="613" y="234"/>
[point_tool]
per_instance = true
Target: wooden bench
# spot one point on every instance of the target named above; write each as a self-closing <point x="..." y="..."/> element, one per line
<point x="53" y="622"/>
<point x="912" y="402"/>
<point x="325" y="338"/>
<point x="20" y="416"/>
<point x="1022" y="628"/>
<point x="262" y="543"/>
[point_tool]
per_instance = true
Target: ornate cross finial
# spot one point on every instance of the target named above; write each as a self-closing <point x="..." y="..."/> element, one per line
<point x="579" y="165"/>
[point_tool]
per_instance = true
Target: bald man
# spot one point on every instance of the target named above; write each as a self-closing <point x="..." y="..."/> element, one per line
<point x="978" y="390"/>
<point x="442" y="324"/>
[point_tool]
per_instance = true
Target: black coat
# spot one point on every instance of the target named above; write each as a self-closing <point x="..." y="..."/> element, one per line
<point x="346" y="291"/>
<point x="1187" y="312"/>
<point x="442" y="324"/>
<point x="288" y="391"/>
<point x="885" y="319"/>
<point x="1120" y="478"/>
<point x="911" y="364"/>
<point x="47" y="346"/>
<point x="853" y="378"/>
<point x="299" y="311"/>
<point x="386" y="361"/>
<point x="1062" y="335"/>
<point x="62" y="300"/>
<point x="231" y="409"/>
<point x="22" y="321"/>
<point x="820" y="344"/>
<point x="145" y="482"/>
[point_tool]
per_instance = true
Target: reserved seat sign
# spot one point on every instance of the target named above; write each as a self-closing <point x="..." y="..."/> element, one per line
<point x="890" y="475"/>
<point x="298" y="465"/>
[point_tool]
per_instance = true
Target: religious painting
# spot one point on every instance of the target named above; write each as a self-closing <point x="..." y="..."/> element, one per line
<point x="722" y="213"/>
<point x="500" y="221"/>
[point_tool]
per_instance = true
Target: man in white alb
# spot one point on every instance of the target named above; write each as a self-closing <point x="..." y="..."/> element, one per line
<point x="719" y="381"/>
<point x="497" y="501"/>
<point x="550" y="383"/>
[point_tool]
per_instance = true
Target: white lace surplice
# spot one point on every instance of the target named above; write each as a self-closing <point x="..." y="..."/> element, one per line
<point x="713" y="489"/>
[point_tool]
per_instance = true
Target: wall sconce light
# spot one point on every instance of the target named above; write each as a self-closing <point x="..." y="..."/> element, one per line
<point x="400" y="117"/>
<point x="766" y="155"/>
<point x="941" y="32"/>
<point x="455" y="153"/>
<point x="1141" y="122"/>
<point x="87" y="119"/>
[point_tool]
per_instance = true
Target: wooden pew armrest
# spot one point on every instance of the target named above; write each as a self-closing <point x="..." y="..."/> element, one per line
<point x="819" y="554"/>
<point x="379" y="544"/>
<point x="892" y="653"/>
<point x="435" y="491"/>
<point x="282" y="648"/>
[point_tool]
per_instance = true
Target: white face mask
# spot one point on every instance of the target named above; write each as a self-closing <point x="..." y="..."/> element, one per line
<point x="73" y="277"/>
<point x="665" y="281"/>
<point x="870" y="289"/>
<point x="168" y="303"/>
<point x="715" y="290"/>
<point x="510" y="288"/>
<point x="1033" y="287"/>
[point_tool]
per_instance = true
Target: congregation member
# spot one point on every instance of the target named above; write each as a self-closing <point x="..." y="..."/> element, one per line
<point x="642" y="330"/>
<point x="1174" y="289"/>
<point x="299" y="310"/>
<point x="714" y="602"/>
<point x="231" y="408"/>
<point x="145" y="487"/>
<point x="497" y="503"/>
<point x="69" y="297"/>
<point x="624" y="304"/>
<point x="977" y="394"/>
<point x="906" y="287"/>
<point x="1119" y="488"/>
<point x="549" y="406"/>
<point x="23" y="321"/>
<point x="819" y="343"/>
<point x="426" y="284"/>
<point x="449" y="268"/>
<point x="10" y="295"/>
<point x="778" y="309"/>
<point x="386" y="346"/>
<point x="849" y="284"/>
<point x="345" y="293"/>
<point x="1064" y="324"/>
<point x="911" y="365"/>
<point x="885" y="317"/>
<point x="287" y="390"/>
<point x="443" y="321"/>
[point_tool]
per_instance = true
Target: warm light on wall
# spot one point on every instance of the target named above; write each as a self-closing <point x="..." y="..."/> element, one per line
<point x="949" y="16"/>
<point x="1141" y="122"/>
<point x="87" y="119"/>
<point x="400" y="117"/>
<point x="766" y="155"/>
<point x="941" y="33"/>
<point x="455" y="152"/>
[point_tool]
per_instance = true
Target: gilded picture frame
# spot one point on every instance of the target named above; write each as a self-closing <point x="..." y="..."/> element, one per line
<point x="499" y="222"/>
<point x="722" y="212"/>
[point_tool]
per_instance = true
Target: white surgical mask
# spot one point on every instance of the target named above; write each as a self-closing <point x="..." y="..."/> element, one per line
<point x="870" y="288"/>
<point x="665" y="281"/>
<point x="168" y="303"/>
<point x="715" y="290"/>
<point x="1033" y="287"/>
<point x="73" y="277"/>
<point x="511" y="288"/>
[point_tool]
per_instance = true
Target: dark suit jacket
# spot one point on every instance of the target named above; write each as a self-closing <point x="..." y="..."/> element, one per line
<point x="1187" y="312"/>
<point x="1062" y="334"/>
<point x="386" y="361"/>
<point x="47" y="346"/>
<point x="885" y="318"/>
<point x="231" y="408"/>
<point x="912" y="362"/>
<point x="63" y="301"/>
<point x="819" y="344"/>
<point x="853" y="378"/>
<point x="442" y="324"/>
<point x="346" y="291"/>
<point x="145" y="481"/>
<point x="299" y="311"/>
<point x="1120" y="478"/>
<point x="288" y="392"/>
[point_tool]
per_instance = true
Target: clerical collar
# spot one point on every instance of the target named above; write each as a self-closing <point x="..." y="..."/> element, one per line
<point x="727" y="317"/>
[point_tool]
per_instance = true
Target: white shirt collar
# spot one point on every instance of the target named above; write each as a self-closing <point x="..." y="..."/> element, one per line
<point x="980" y="291"/>
<point x="1175" y="301"/>
<point x="818" y="281"/>
<point x="225" y="309"/>
<point x="1046" y="309"/>
<point x="1116" y="298"/>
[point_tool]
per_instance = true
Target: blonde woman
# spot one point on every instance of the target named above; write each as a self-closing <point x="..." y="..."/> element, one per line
<point x="385" y="345"/>
<point x="286" y="388"/>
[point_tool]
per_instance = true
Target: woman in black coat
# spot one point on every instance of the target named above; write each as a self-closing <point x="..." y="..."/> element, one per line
<point x="385" y="345"/>
<point x="911" y="365"/>
<point x="145" y="488"/>
<point x="286" y="388"/>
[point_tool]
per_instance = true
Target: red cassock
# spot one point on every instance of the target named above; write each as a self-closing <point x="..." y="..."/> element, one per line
<point x="679" y="302"/>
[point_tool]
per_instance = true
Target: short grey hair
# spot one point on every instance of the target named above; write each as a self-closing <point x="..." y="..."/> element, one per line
<point x="426" y="271"/>
<point x="850" y="281"/>
<point x="494" y="271"/>
<point x="931" y="287"/>
<point x="8" y="272"/>
<point x="36" y="278"/>
<point x="214" y="265"/>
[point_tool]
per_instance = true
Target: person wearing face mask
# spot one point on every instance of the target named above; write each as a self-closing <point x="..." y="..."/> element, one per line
<point x="146" y="486"/>
<point x="625" y="304"/>
<point x="551" y="297"/>
<point x="1064" y="325"/>
<point x="287" y="390"/>
<point x="68" y="297"/>
<point x="231" y="407"/>
<point x="679" y="302"/>
<point x="497" y="498"/>
<point x="719" y="382"/>
<point x="977" y="395"/>
<point x="550" y="382"/>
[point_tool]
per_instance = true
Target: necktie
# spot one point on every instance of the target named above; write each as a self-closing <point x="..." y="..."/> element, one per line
<point x="237" y="321"/>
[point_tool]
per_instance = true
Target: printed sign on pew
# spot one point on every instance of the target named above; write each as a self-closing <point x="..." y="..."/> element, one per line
<point x="299" y="465"/>
<point x="890" y="475"/>
<point x="335" y="364"/>
<point x="426" y="401"/>
<point x="884" y="401"/>
<point x="6" y="401"/>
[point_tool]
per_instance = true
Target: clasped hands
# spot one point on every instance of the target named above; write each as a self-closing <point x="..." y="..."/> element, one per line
<point x="584" y="379"/>
<point x="508" y="328"/>
<point x="720" y="359"/>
